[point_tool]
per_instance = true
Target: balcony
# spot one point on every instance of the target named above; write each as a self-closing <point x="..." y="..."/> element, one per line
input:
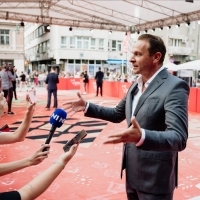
<point x="179" y="50"/>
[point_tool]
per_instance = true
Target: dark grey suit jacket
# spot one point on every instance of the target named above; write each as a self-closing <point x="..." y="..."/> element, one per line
<point x="52" y="80"/>
<point x="162" y="111"/>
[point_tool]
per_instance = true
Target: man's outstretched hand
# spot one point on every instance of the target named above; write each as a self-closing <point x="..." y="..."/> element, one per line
<point x="75" y="106"/>
<point x="132" y="134"/>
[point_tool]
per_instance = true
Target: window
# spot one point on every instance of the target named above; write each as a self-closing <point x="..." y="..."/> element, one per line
<point x="85" y="43"/>
<point x="40" y="30"/>
<point x="70" y="61"/>
<point x="119" y="45"/>
<point x="78" y="61"/>
<point x="91" y="61"/>
<point x="79" y="43"/>
<point x="4" y="37"/>
<point x="63" y="42"/>
<point x="40" y="48"/>
<point x="44" y="47"/>
<point x="176" y="42"/>
<point x="36" y="33"/>
<point x="116" y="45"/>
<point x="98" y="62"/>
<point x="48" y="45"/>
<point x="101" y="44"/>
<point x="72" y="42"/>
<point x="92" y="43"/>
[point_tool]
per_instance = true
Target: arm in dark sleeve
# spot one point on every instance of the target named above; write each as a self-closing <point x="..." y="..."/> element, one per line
<point x="115" y="115"/>
<point x="175" y="136"/>
<point x="57" y="81"/>
<point x="11" y="195"/>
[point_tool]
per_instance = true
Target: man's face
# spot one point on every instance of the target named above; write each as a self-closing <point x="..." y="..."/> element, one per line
<point x="141" y="60"/>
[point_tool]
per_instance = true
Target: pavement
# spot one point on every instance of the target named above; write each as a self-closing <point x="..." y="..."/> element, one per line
<point x="94" y="172"/>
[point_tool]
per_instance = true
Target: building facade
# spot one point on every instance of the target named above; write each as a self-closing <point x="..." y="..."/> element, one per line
<point x="83" y="49"/>
<point x="12" y="44"/>
<point x="74" y="51"/>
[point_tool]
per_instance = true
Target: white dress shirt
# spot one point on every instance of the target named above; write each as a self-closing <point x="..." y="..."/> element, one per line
<point x="137" y="97"/>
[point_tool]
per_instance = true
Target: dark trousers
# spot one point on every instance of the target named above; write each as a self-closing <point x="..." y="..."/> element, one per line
<point x="14" y="89"/>
<point x="8" y="94"/>
<point x="133" y="194"/>
<point x="55" y="98"/>
<point x="99" y="85"/>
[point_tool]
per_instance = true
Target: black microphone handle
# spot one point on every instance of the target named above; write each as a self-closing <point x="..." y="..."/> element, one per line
<point x="53" y="128"/>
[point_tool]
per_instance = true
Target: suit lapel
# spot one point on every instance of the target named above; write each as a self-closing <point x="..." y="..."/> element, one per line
<point x="157" y="81"/>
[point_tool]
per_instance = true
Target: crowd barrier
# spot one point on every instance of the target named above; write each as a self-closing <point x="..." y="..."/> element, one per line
<point x="110" y="88"/>
<point x="119" y="89"/>
<point x="69" y="84"/>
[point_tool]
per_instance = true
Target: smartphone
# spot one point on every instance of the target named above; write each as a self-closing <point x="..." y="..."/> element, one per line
<point x="75" y="140"/>
<point x="32" y="97"/>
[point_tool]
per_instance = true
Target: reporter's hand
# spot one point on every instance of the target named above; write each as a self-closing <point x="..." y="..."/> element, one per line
<point x="66" y="157"/>
<point x="39" y="156"/>
<point x="76" y="106"/>
<point x="31" y="109"/>
<point x="132" y="134"/>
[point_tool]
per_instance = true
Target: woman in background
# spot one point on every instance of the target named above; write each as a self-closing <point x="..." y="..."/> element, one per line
<point x="85" y="81"/>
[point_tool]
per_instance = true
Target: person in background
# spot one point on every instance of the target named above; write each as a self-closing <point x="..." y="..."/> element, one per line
<point x="22" y="81"/>
<point x="36" y="74"/>
<point x="51" y="85"/>
<point x="7" y="87"/>
<point x="14" y="82"/>
<point x="126" y="78"/>
<point x="156" y="110"/>
<point x="85" y="81"/>
<point x="99" y="81"/>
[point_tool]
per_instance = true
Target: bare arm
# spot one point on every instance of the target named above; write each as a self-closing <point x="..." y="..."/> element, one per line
<point x="38" y="185"/>
<point x="20" y="133"/>
<point x="38" y="157"/>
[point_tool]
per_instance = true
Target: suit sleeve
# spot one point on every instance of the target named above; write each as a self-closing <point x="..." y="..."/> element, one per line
<point x="115" y="115"/>
<point x="175" y="136"/>
<point x="47" y="79"/>
<point x="57" y="81"/>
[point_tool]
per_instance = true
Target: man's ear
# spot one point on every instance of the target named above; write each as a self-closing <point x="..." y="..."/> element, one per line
<point x="157" y="56"/>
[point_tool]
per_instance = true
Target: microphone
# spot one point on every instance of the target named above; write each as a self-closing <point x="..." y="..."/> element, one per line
<point x="57" y="119"/>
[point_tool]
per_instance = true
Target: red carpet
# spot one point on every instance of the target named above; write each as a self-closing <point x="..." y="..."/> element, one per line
<point x="94" y="172"/>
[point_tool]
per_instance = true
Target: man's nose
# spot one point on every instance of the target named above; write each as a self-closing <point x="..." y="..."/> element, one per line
<point x="132" y="59"/>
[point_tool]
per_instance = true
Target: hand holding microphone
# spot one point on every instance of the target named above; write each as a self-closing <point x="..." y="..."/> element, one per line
<point x="57" y="119"/>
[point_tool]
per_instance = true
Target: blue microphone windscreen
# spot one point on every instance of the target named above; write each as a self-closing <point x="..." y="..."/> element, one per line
<point x="58" y="117"/>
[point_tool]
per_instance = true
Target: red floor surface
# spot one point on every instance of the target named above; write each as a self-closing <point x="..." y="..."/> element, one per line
<point x="94" y="172"/>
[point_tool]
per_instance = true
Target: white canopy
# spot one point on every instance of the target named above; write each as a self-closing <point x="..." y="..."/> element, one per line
<point x="172" y="67"/>
<point x="119" y="15"/>
<point x="195" y="65"/>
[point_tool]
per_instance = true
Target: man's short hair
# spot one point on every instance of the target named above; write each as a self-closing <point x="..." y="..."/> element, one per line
<point x="156" y="44"/>
<point x="99" y="68"/>
<point x="54" y="68"/>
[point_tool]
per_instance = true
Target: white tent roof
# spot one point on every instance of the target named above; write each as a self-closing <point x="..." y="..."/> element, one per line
<point x="172" y="67"/>
<point x="195" y="65"/>
<point x="121" y="15"/>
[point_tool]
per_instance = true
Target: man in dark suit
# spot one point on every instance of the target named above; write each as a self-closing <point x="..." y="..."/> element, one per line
<point x="156" y="111"/>
<point x="51" y="81"/>
<point x="99" y="81"/>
